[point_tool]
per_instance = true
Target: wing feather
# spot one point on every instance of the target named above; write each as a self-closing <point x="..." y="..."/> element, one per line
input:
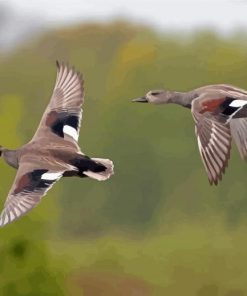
<point x="31" y="183"/>
<point x="239" y="134"/>
<point x="214" y="142"/>
<point x="65" y="106"/>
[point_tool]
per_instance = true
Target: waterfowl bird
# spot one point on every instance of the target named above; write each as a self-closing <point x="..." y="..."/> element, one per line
<point x="53" y="152"/>
<point x="220" y="114"/>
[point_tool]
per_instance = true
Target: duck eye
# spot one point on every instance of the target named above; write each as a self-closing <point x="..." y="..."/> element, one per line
<point x="155" y="93"/>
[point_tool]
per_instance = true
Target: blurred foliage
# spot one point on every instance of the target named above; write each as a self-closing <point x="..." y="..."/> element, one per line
<point x="203" y="259"/>
<point x="156" y="227"/>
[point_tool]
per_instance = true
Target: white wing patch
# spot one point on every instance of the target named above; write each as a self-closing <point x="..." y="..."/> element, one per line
<point x="51" y="176"/>
<point x="72" y="132"/>
<point x="238" y="103"/>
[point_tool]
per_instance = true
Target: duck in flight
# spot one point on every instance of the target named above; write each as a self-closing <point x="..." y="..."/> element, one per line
<point x="53" y="152"/>
<point x="220" y="114"/>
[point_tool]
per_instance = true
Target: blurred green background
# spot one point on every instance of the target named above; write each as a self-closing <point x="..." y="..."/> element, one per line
<point x="156" y="227"/>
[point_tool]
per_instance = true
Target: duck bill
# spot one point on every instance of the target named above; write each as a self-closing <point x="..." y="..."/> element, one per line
<point x="140" y="100"/>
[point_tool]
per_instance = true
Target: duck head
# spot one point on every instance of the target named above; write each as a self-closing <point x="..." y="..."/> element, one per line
<point x="156" y="97"/>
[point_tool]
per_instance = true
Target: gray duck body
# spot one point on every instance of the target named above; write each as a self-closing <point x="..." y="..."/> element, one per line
<point x="53" y="152"/>
<point x="220" y="115"/>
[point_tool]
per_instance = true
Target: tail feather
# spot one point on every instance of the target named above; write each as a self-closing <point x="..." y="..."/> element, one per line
<point x="102" y="175"/>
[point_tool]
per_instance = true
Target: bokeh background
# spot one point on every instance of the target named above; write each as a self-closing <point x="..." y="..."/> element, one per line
<point x="156" y="227"/>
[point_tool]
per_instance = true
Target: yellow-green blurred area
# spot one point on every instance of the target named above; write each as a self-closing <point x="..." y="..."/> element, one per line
<point x="156" y="227"/>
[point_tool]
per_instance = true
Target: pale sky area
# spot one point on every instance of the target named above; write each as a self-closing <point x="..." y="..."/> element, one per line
<point x="224" y="16"/>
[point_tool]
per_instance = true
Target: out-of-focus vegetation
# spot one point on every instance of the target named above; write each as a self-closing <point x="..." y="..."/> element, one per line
<point x="156" y="227"/>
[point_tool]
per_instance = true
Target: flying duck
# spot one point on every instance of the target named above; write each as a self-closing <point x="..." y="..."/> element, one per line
<point x="220" y="114"/>
<point x="53" y="152"/>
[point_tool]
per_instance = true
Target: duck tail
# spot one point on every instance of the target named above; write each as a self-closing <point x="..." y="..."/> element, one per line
<point x="105" y="173"/>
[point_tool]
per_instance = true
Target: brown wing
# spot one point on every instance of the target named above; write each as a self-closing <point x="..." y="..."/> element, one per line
<point x="223" y="105"/>
<point x="62" y="116"/>
<point x="31" y="183"/>
<point x="214" y="141"/>
<point x="239" y="134"/>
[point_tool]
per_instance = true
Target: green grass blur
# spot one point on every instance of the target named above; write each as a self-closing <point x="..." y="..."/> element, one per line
<point x="156" y="227"/>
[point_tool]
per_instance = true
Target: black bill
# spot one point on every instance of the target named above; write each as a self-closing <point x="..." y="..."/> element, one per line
<point x="140" y="100"/>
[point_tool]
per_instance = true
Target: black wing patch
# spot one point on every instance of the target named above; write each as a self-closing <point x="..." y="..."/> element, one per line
<point x="33" y="181"/>
<point x="56" y="121"/>
<point x="225" y="107"/>
<point x="232" y="109"/>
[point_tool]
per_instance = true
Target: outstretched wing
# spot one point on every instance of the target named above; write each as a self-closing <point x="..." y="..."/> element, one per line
<point x="62" y="117"/>
<point x="31" y="183"/>
<point x="214" y="142"/>
<point x="239" y="134"/>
